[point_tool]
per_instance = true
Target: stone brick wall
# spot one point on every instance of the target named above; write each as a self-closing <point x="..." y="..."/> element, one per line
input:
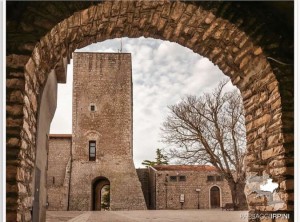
<point x="152" y="189"/>
<point x="167" y="193"/>
<point x="143" y="175"/>
<point x="103" y="80"/>
<point x="254" y="48"/>
<point x="58" y="174"/>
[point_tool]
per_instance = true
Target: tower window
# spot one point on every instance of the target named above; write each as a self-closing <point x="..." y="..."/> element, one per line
<point x="92" y="150"/>
<point x="93" y="108"/>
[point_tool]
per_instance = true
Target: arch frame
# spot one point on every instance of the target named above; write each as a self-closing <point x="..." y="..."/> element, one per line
<point x="209" y="199"/>
<point x="70" y="34"/>
<point x="94" y="184"/>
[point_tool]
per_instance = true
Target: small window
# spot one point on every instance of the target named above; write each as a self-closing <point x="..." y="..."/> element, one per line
<point x="92" y="150"/>
<point x="173" y="178"/>
<point x="210" y="178"/>
<point x="53" y="180"/>
<point x="182" y="178"/>
<point x="93" y="108"/>
<point x="219" y="178"/>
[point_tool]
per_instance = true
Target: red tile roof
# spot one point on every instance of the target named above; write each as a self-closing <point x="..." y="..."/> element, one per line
<point x="202" y="168"/>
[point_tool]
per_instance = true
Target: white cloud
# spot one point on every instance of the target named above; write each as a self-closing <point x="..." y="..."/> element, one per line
<point x="163" y="72"/>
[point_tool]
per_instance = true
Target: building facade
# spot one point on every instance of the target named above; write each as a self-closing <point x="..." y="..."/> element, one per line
<point x="187" y="187"/>
<point x="101" y="142"/>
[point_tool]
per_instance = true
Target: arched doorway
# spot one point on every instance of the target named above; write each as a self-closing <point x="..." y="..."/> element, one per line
<point x="215" y="197"/>
<point x="101" y="194"/>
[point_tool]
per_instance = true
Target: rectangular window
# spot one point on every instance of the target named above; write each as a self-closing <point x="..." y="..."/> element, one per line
<point x="219" y="178"/>
<point x="182" y="178"/>
<point x="210" y="178"/>
<point x="92" y="150"/>
<point x="173" y="178"/>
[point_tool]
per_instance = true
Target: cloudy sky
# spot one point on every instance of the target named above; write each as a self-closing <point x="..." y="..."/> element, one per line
<point x="163" y="72"/>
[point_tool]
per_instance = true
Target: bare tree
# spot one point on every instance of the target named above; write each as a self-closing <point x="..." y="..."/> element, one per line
<point x="210" y="129"/>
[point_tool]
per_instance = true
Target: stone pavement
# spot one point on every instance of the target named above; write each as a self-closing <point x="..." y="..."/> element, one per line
<point x="147" y="216"/>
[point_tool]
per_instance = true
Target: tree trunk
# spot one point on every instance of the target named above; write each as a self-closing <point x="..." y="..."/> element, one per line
<point x="238" y="195"/>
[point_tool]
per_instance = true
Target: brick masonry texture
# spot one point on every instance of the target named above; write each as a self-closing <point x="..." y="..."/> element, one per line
<point x="143" y="175"/>
<point x="253" y="47"/>
<point x="166" y="193"/>
<point x="104" y="81"/>
<point x="59" y="160"/>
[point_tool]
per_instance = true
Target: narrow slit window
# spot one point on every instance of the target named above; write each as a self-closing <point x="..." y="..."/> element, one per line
<point x="92" y="150"/>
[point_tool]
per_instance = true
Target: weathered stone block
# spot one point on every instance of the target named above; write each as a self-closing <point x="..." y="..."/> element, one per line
<point x="16" y="61"/>
<point x="15" y="84"/>
<point x="15" y="96"/>
<point x="210" y="30"/>
<point x="255" y="199"/>
<point x="14" y="110"/>
<point x="13" y="142"/>
<point x="13" y="122"/>
<point x="275" y="139"/>
<point x="11" y="172"/>
<point x="166" y="10"/>
<point x="22" y="188"/>
<point x="275" y="151"/>
<point x="177" y="10"/>
<point x="21" y="175"/>
<point x="210" y="17"/>
<point x="257" y="51"/>
<point x="262" y="120"/>
<point x="282" y="171"/>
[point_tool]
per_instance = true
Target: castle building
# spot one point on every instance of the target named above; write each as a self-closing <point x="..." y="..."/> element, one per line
<point x="99" y="154"/>
<point x="185" y="187"/>
<point x="99" y="151"/>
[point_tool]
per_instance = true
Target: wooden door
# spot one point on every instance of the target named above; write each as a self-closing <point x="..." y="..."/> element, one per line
<point x="215" y="197"/>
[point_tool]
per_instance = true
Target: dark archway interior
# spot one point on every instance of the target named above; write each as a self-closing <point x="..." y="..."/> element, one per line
<point x="98" y="191"/>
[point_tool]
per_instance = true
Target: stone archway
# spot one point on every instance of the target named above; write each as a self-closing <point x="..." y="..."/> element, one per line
<point x="265" y="83"/>
<point x="97" y="192"/>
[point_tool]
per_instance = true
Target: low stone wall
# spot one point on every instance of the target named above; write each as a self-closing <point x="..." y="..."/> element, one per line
<point x="143" y="175"/>
<point x="58" y="175"/>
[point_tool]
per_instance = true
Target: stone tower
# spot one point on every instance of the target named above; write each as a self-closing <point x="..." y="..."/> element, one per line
<point x="102" y="133"/>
